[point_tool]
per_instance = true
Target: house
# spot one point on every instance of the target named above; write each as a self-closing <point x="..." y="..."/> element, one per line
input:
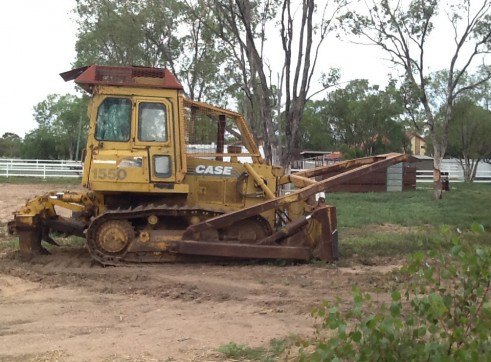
<point x="418" y="144"/>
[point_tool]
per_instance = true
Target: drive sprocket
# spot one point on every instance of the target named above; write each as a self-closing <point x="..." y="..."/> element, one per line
<point x="114" y="236"/>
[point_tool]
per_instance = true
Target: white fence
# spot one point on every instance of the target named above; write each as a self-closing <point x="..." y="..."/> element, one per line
<point x="450" y="166"/>
<point x="52" y="168"/>
<point x="453" y="176"/>
<point x="455" y="173"/>
<point x="40" y="168"/>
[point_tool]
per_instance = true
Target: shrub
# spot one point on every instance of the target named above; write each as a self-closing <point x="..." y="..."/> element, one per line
<point x="442" y="314"/>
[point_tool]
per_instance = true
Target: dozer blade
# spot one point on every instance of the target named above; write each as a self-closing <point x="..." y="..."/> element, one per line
<point x="311" y="236"/>
<point x="247" y="251"/>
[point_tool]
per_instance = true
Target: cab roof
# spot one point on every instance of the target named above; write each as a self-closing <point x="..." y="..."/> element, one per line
<point x="142" y="77"/>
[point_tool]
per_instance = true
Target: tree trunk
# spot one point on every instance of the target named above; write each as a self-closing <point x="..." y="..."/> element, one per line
<point x="474" y="169"/>
<point x="437" y="166"/>
<point x="467" y="168"/>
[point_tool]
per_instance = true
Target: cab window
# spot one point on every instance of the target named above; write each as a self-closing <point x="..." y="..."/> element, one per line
<point x="114" y="120"/>
<point x="152" y="125"/>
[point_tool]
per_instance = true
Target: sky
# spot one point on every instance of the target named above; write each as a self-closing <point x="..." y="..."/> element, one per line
<point x="38" y="38"/>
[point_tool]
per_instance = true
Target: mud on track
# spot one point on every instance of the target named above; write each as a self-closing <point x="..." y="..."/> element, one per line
<point x="64" y="307"/>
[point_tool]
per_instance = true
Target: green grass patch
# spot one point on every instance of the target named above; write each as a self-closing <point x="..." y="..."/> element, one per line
<point x="9" y="244"/>
<point x="399" y="223"/>
<point x="270" y="353"/>
<point x="380" y="244"/>
<point x="463" y="205"/>
<point x="66" y="241"/>
<point x="41" y="180"/>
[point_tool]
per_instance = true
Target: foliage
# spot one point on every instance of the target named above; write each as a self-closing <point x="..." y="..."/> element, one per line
<point x="62" y="128"/>
<point x="469" y="136"/>
<point x="10" y="145"/>
<point x="364" y="117"/>
<point x="158" y="34"/>
<point x="359" y="120"/>
<point x="241" y="351"/>
<point x="444" y="313"/>
<point x="403" y="31"/>
<point x="315" y="131"/>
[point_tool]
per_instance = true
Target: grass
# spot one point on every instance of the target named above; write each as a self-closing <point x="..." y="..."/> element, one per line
<point x="395" y="224"/>
<point x="263" y="354"/>
<point x="40" y="180"/>
<point x="373" y="226"/>
<point x="9" y="244"/>
<point x="463" y="205"/>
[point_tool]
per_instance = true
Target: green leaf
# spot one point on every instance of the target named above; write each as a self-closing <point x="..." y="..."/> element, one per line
<point x="396" y="296"/>
<point x="456" y="249"/>
<point x="395" y="310"/>
<point x="477" y="228"/>
<point x="422" y="331"/>
<point x="482" y="254"/>
<point x="356" y="336"/>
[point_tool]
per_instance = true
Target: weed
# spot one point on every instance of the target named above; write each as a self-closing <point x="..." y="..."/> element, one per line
<point x="442" y="314"/>
<point x="241" y="351"/>
<point x="234" y="350"/>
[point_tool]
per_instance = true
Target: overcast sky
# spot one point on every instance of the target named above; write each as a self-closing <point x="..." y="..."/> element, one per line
<point x="38" y="42"/>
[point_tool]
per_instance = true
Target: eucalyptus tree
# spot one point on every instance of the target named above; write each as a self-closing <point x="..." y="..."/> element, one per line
<point x="315" y="132"/>
<point x="403" y="30"/>
<point x="365" y="118"/>
<point x="62" y="128"/>
<point x="155" y="33"/>
<point x="469" y="136"/>
<point x="249" y="31"/>
<point x="10" y="145"/>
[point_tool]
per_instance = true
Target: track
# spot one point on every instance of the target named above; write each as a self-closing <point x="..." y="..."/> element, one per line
<point x="143" y="234"/>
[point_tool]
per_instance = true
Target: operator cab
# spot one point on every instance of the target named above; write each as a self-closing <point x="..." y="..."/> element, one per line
<point x="135" y="134"/>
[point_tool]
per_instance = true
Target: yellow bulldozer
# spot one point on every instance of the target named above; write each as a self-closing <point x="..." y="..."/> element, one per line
<point x="171" y="179"/>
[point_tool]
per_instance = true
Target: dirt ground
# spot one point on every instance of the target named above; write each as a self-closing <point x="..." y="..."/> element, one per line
<point x="64" y="307"/>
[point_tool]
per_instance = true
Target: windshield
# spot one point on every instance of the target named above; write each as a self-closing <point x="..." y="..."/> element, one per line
<point x="114" y="120"/>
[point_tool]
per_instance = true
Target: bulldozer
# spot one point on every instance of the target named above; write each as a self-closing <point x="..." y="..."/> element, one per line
<point x="170" y="179"/>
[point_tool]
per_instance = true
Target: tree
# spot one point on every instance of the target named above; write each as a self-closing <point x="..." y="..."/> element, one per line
<point x="403" y="33"/>
<point x="299" y="72"/>
<point x="39" y="144"/>
<point x="62" y="128"/>
<point x="155" y="33"/>
<point x="315" y="132"/>
<point x="469" y="136"/>
<point x="10" y="145"/>
<point x="240" y="25"/>
<point x="304" y="26"/>
<point x="366" y="119"/>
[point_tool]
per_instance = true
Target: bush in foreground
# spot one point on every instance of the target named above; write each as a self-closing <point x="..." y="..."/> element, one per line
<point x="442" y="314"/>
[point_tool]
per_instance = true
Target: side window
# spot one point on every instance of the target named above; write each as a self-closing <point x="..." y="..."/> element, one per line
<point x="114" y="120"/>
<point x="152" y="122"/>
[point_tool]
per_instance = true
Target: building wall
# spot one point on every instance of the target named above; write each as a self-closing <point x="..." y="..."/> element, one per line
<point x="418" y="146"/>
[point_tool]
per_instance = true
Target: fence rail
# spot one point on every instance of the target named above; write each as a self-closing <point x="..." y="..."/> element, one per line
<point x="56" y="168"/>
<point x="40" y="168"/>
<point x="453" y="176"/>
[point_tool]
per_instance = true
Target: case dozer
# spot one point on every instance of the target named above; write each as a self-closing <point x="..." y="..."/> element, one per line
<point x="170" y="179"/>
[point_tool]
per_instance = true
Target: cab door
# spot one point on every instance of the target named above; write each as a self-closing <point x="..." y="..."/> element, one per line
<point x="154" y="133"/>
